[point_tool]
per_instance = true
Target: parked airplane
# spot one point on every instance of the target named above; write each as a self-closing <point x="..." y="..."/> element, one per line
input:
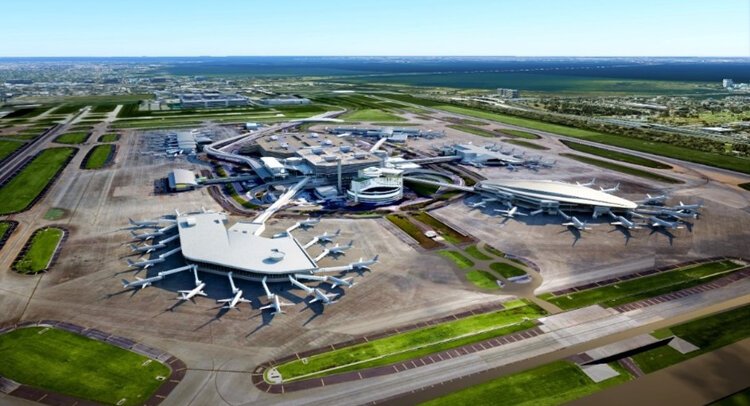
<point x="305" y="224"/>
<point x="657" y="222"/>
<point x="276" y="303"/>
<point x="678" y="214"/>
<point x="687" y="207"/>
<point x="231" y="303"/>
<point x="145" y="249"/>
<point x="334" y="281"/>
<point x="625" y="223"/>
<point x="339" y="249"/>
<point x="198" y="290"/>
<point x="574" y="222"/>
<point x="141" y="282"/>
<point x="143" y="224"/>
<point x="147" y="236"/>
<point x="653" y="200"/>
<point x="510" y="213"/>
<point x="318" y="295"/>
<point x="587" y="184"/>
<point x="327" y="238"/>
<point x="364" y="264"/>
<point x="613" y="189"/>
<point x="145" y="264"/>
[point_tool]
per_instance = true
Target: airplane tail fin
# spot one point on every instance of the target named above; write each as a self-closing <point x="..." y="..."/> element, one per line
<point x="125" y="283"/>
<point x="375" y="258"/>
<point x="351" y="243"/>
<point x="133" y="247"/>
<point x="130" y="262"/>
<point x="130" y="220"/>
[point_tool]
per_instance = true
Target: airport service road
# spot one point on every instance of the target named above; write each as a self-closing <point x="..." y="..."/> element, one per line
<point x="567" y="334"/>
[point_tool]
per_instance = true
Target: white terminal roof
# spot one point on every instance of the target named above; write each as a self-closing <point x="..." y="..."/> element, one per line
<point x="183" y="177"/>
<point x="558" y="191"/>
<point x="205" y="238"/>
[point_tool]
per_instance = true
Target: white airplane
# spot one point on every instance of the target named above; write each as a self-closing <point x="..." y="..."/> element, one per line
<point x="653" y="200"/>
<point x="318" y="295"/>
<point x="511" y="167"/>
<point x="510" y="213"/>
<point x="339" y="249"/>
<point x="143" y="224"/>
<point x="305" y="224"/>
<point x="483" y="202"/>
<point x="657" y="222"/>
<point x="334" y="281"/>
<point x="189" y="294"/>
<point x="548" y="164"/>
<point x="276" y="303"/>
<point x="145" y="249"/>
<point x="574" y="222"/>
<point x="686" y="207"/>
<point x="327" y="238"/>
<point x="625" y="223"/>
<point x="364" y="264"/>
<point x="140" y="282"/>
<point x="678" y="214"/>
<point x="613" y="189"/>
<point x="147" y="236"/>
<point x="587" y="184"/>
<point x="231" y="303"/>
<point x="145" y="264"/>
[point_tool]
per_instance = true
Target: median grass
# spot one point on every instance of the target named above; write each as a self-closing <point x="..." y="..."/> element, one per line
<point x="615" y="156"/>
<point x="527" y="144"/>
<point x="28" y="184"/>
<point x="8" y="147"/>
<point x="474" y="252"/>
<point x="4" y="228"/>
<point x="98" y="156"/>
<point x="745" y="186"/>
<point x="645" y="287"/>
<point x="74" y="365"/>
<point x="507" y="270"/>
<point x="446" y="231"/>
<point x="520" y="134"/>
<point x="550" y="384"/>
<point x="371" y="115"/>
<point x="457" y="258"/>
<point x="708" y="333"/>
<point x="482" y="279"/>
<point x="109" y="138"/>
<point x="474" y="130"/>
<point x="414" y="343"/>
<point x="414" y="232"/>
<point x="72" y="138"/>
<point x="39" y="254"/>
<point x="622" y="168"/>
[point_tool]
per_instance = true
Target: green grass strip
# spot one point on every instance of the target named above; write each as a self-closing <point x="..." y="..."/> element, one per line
<point x="457" y="258"/>
<point x="474" y="252"/>
<point x="25" y="186"/>
<point x="482" y="279"/>
<point x="622" y="168"/>
<point x="507" y="270"/>
<point x="98" y="156"/>
<point x="615" y="156"/>
<point x="39" y="254"/>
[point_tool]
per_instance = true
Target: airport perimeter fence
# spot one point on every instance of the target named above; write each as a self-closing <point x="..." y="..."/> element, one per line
<point x="110" y="158"/>
<point x="4" y="238"/>
<point x="29" y="242"/>
<point x="177" y="367"/>
<point x="44" y="191"/>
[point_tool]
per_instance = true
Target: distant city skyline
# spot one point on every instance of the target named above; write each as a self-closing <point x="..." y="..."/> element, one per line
<point x="385" y="27"/>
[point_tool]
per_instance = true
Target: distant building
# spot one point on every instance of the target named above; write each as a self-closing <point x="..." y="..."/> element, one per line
<point x="508" y="93"/>
<point x="211" y="100"/>
<point x="18" y="82"/>
<point x="377" y="186"/>
<point x="727" y="83"/>
<point x="284" y="101"/>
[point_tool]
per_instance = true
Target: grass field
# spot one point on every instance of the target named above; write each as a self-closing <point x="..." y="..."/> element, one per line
<point x="54" y="213"/>
<point x="8" y="147"/>
<point x="4" y="227"/>
<point x="236" y="196"/>
<point x="708" y="333"/>
<point x="78" y="366"/>
<point x="644" y="287"/>
<point x="415" y="343"/>
<point x="414" y="232"/>
<point x="40" y="252"/>
<point x="658" y="148"/>
<point x="109" y="138"/>
<point x="98" y="156"/>
<point x="622" y="168"/>
<point x="72" y="138"/>
<point x="506" y="270"/>
<point x="450" y="235"/>
<point x="371" y="115"/>
<point x="25" y="186"/>
<point x="550" y="384"/>
<point x="482" y="279"/>
<point x="520" y="134"/>
<point x="474" y="130"/>
<point x="616" y="156"/>
<point x="474" y="252"/>
<point x="527" y="144"/>
<point x="457" y="258"/>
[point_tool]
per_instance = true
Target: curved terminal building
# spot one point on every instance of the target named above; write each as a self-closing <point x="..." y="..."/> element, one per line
<point x="551" y="196"/>
<point x="377" y="186"/>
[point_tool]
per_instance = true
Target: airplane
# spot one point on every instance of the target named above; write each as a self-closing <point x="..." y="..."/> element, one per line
<point x="231" y="303"/>
<point x="548" y="164"/>
<point x="686" y="207"/>
<point x="364" y="264"/>
<point x="140" y="282"/>
<point x="657" y="222"/>
<point x="147" y="236"/>
<point x="678" y="214"/>
<point x="276" y="303"/>
<point x="334" y="281"/>
<point x="510" y="213"/>
<point x="587" y="184"/>
<point x="613" y="189"/>
<point x="305" y="224"/>
<point x="574" y="222"/>
<point x="144" y="264"/>
<point x="511" y="167"/>
<point x="146" y="249"/>
<point x="483" y="202"/>
<point x="189" y="294"/>
<point x="143" y="224"/>
<point x="653" y="200"/>
<point x="327" y="238"/>
<point x="340" y="250"/>
<point x="318" y="295"/>
<point x="625" y="223"/>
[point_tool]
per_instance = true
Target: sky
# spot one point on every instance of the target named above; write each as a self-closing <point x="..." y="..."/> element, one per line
<point x="375" y="27"/>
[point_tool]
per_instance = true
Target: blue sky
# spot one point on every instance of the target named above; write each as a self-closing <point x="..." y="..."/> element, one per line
<point x="375" y="27"/>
